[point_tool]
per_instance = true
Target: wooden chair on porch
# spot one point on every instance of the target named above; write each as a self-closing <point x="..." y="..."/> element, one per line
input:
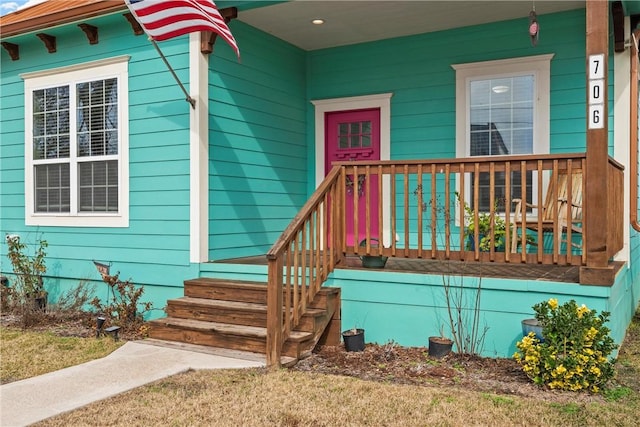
<point x="554" y="209"/>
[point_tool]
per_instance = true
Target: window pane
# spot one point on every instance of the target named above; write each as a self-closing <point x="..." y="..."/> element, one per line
<point x="38" y="125"/>
<point x="38" y="148"/>
<point x="366" y="140"/>
<point x="52" y="188"/>
<point x="98" y="186"/>
<point x="51" y="151"/>
<point x="112" y="142"/>
<point x="82" y="91"/>
<point x="501" y="114"/>
<point x="97" y="144"/>
<point x="38" y="101"/>
<point x="50" y="120"/>
<point x="354" y="134"/>
<point x="97" y="112"/>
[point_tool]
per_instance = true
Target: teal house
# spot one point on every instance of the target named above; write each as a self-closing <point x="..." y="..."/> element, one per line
<point x="483" y="148"/>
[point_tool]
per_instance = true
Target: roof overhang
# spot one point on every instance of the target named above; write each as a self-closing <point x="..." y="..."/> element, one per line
<point x="49" y="14"/>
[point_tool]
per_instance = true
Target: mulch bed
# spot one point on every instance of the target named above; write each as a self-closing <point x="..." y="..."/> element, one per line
<point x="391" y="363"/>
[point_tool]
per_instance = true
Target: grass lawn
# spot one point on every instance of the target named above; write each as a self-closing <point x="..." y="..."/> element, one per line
<point x="257" y="397"/>
<point x="25" y="354"/>
<point x="287" y="398"/>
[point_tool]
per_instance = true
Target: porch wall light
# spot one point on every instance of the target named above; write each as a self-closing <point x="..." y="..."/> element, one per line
<point x="317" y="21"/>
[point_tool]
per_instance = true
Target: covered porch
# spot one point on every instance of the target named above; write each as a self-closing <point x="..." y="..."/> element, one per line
<point x="551" y="210"/>
<point x="428" y="207"/>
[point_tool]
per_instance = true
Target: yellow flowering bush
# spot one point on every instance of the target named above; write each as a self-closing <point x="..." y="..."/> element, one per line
<point x="575" y="352"/>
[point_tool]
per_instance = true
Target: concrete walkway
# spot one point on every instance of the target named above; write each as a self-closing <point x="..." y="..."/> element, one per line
<point x="134" y="364"/>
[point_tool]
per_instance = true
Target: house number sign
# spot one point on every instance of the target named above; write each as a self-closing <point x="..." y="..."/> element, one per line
<point x="596" y="91"/>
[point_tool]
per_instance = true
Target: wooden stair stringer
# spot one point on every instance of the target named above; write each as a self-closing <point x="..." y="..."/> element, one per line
<point x="330" y="298"/>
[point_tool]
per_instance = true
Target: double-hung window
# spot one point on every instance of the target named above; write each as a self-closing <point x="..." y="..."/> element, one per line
<point x="76" y="145"/>
<point x="502" y="108"/>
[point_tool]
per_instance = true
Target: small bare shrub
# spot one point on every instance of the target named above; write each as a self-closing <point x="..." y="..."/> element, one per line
<point x="122" y="305"/>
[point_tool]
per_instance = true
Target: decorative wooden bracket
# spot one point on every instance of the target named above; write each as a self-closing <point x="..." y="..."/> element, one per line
<point x="135" y="25"/>
<point x="91" y="32"/>
<point x="208" y="38"/>
<point x="49" y="41"/>
<point x="12" y="49"/>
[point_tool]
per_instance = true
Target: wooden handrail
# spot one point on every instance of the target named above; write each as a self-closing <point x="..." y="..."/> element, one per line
<point x="301" y="259"/>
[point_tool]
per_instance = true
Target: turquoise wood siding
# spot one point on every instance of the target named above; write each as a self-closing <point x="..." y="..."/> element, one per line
<point x="417" y="69"/>
<point x="408" y="308"/>
<point x="261" y="168"/>
<point x="258" y="152"/>
<point x="154" y="249"/>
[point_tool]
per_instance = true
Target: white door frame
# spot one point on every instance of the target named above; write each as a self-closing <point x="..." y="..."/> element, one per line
<point x="381" y="101"/>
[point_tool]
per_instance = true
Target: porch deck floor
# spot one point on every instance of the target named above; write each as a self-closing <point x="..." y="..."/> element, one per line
<point x="555" y="273"/>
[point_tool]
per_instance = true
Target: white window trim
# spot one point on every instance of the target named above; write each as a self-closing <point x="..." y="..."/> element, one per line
<point x="107" y="68"/>
<point x="381" y="101"/>
<point x="539" y="66"/>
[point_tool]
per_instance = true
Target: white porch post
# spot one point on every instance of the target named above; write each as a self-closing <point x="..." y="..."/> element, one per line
<point x="198" y="152"/>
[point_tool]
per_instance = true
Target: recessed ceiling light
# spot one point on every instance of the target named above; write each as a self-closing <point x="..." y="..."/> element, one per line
<point x="500" y="89"/>
<point x="317" y="21"/>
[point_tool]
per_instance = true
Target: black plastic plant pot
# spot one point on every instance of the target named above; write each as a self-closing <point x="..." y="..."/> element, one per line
<point x="439" y="347"/>
<point x="372" y="261"/>
<point x="353" y="339"/>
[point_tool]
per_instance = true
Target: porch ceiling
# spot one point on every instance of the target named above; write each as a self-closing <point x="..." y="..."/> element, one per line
<point x="350" y="22"/>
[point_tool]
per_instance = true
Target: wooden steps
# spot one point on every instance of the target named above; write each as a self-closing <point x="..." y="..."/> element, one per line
<point x="232" y="315"/>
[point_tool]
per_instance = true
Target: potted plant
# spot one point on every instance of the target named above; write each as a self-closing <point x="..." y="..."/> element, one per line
<point x="440" y="346"/>
<point x="28" y="270"/>
<point x="372" y="261"/>
<point x="353" y="339"/>
<point x="485" y="221"/>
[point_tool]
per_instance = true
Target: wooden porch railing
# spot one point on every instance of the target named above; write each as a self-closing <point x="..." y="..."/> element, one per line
<point x="300" y="261"/>
<point x="430" y="205"/>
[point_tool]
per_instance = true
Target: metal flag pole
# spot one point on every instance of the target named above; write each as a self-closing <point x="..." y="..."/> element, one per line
<point x="189" y="99"/>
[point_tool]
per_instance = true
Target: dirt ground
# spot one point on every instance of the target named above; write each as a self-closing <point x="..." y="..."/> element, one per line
<point x="392" y="363"/>
<point x="412" y="365"/>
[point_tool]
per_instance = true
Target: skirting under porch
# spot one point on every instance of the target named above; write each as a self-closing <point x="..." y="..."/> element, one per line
<point x="405" y="302"/>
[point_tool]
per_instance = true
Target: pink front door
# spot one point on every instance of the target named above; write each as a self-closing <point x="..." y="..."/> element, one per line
<point x="350" y="136"/>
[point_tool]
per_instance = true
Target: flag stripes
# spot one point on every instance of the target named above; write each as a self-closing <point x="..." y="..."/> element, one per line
<point x="165" y="19"/>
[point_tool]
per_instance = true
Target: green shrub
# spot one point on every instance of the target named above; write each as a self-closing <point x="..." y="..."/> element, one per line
<point x="576" y="348"/>
<point x="28" y="269"/>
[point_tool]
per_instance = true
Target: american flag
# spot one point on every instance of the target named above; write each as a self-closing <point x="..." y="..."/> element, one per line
<point x="165" y="19"/>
